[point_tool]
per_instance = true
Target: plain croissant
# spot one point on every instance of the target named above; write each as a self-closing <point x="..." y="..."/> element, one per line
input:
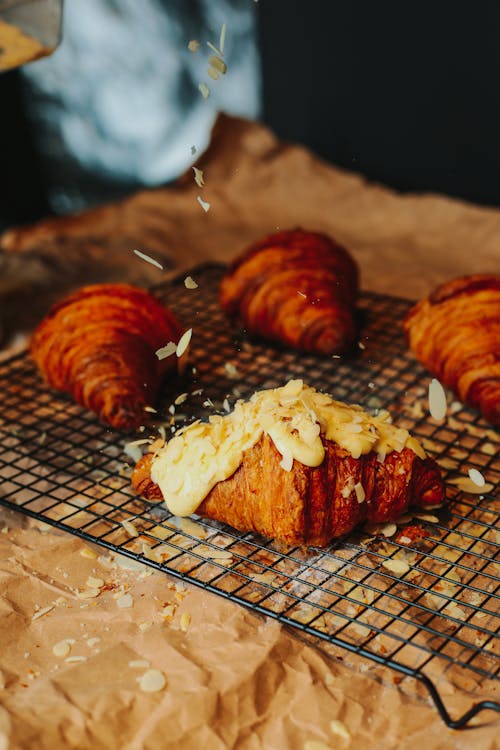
<point x="295" y="287"/>
<point x="99" y="346"/>
<point x="455" y="333"/>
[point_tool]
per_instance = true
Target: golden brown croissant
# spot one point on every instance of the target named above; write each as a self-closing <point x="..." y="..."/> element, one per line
<point x="455" y="333"/>
<point x="299" y="503"/>
<point x="99" y="346"/>
<point x="295" y="287"/>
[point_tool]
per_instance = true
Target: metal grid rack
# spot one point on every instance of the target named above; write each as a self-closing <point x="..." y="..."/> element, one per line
<point x="434" y="618"/>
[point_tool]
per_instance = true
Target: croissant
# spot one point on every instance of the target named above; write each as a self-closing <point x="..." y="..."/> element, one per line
<point x="269" y="491"/>
<point x="99" y="346"/>
<point x="295" y="287"/>
<point x="455" y="333"/>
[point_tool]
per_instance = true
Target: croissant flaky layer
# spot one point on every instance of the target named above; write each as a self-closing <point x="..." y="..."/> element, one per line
<point x="311" y="506"/>
<point x="99" y="346"/>
<point x="455" y="333"/>
<point x="295" y="287"/>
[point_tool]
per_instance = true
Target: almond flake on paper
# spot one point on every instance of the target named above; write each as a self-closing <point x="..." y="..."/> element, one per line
<point x="41" y="612"/>
<point x="152" y="681"/>
<point x="185" y="621"/>
<point x="125" y="601"/>
<point x="61" y="649"/>
<point x="139" y="664"/>
<point x="339" y="728"/>
<point x="204" y="204"/>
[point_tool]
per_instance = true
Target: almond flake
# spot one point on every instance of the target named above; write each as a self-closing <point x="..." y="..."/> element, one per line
<point x="94" y="583"/>
<point x="93" y="642"/>
<point x="389" y="529"/>
<point x="316" y="745"/>
<point x="139" y="664"/>
<point x="88" y="594"/>
<point x="204" y="90"/>
<point x="185" y="621"/>
<point x="360" y="492"/>
<point x="150" y="409"/>
<point x="180" y="399"/>
<point x="397" y="567"/>
<point x="190" y="283"/>
<point x="215" y="49"/>
<point x="184" y="342"/>
<point x="41" y="612"/>
<point x="89" y="553"/>
<point x="166" y="351"/>
<point x="286" y="462"/>
<point x="152" y="681"/>
<point x="437" y="400"/>
<point x="217" y="64"/>
<point x="427" y="517"/>
<point x="467" y="485"/>
<point x="198" y="176"/>
<point x="125" y="601"/>
<point x="61" y="649"/>
<point x="193" y="45"/>
<point x="133" y="452"/>
<point x="477" y="477"/>
<point x="204" y="204"/>
<point x="147" y="258"/>
<point x="130" y="528"/>
<point x="168" y="610"/>
<point x="222" y="38"/>
<point x="338" y="728"/>
<point x="75" y="659"/>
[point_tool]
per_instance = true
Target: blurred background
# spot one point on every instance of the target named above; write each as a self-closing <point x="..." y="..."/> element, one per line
<point x="404" y="94"/>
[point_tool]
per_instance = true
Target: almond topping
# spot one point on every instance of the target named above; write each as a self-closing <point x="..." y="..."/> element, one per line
<point x="152" y="681"/>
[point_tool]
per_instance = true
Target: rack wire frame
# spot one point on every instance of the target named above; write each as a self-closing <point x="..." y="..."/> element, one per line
<point x="435" y="619"/>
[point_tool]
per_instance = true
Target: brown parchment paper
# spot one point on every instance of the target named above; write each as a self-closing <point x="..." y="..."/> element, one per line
<point x="233" y="679"/>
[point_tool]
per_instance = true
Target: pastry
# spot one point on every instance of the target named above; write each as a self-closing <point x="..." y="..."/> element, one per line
<point x="294" y="465"/>
<point x="99" y="346"/>
<point x="295" y="287"/>
<point x="455" y="333"/>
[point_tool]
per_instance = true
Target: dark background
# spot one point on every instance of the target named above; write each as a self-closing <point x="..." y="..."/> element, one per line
<point x="407" y="94"/>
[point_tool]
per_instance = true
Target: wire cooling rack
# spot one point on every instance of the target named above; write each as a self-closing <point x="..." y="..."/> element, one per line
<point x="419" y="596"/>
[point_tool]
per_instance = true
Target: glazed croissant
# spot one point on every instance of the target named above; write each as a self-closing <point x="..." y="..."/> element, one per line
<point x="99" y="346"/>
<point x="295" y="287"/>
<point x="298" y="503"/>
<point x="455" y="333"/>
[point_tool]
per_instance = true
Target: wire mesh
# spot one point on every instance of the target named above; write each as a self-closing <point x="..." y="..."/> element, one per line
<point x="420" y="596"/>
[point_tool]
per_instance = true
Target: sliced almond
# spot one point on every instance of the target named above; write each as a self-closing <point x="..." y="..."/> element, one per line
<point x="61" y="649"/>
<point x="94" y="583"/>
<point x="467" y="485"/>
<point x="89" y="553"/>
<point x="397" y="567"/>
<point x="185" y="621"/>
<point x="389" y="529"/>
<point x="130" y="528"/>
<point x="152" y="681"/>
<point x="125" y="601"/>
<point x="139" y="664"/>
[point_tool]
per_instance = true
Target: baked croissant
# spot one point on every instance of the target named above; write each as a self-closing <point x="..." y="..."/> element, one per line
<point x="270" y="492"/>
<point x="99" y="346"/>
<point x="455" y="333"/>
<point x="295" y="287"/>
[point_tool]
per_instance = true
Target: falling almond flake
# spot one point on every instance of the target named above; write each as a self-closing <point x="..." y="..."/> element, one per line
<point x="150" y="409"/>
<point x="145" y="257"/>
<point x="219" y="65"/>
<point x="204" y="90"/>
<point x="204" y="204"/>
<point x="190" y="283"/>
<point x="338" y="728"/>
<point x="215" y="49"/>
<point x="180" y="399"/>
<point x="152" y="681"/>
<point x="477" y="477"/>
<point x="198" y="176"/>
<point x="222" y="38"/>
<point x="360" y="492"/>
<point x="184" y="342"/>
<point x="213" y="73"/>
<point x="194" y="45"/>
<point x="166" y="351"/>
<point x="437" y="400"/>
